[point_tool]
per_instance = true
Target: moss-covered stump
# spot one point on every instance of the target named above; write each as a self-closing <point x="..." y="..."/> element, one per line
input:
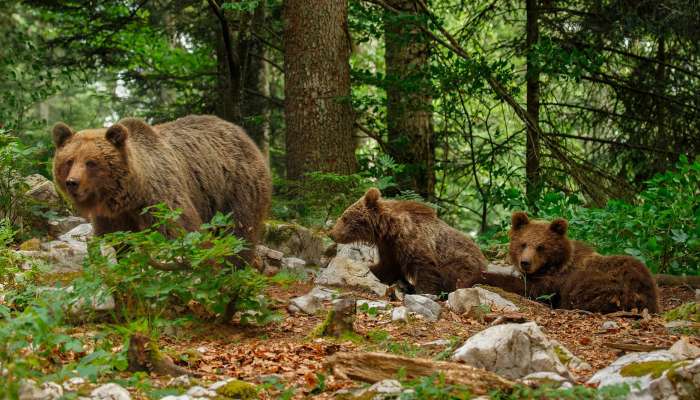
<point x="339" y="320"/>
<point x="236" y="389"/>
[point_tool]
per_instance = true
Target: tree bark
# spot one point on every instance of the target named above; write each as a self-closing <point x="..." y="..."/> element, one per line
<point x="374" y="367"/>
<point x="409" y="101"/>
<point x="318" y="113"/>
<point x="255" y="109"/>
<point x="532" y="147"/>
<point x="229" y="75"/>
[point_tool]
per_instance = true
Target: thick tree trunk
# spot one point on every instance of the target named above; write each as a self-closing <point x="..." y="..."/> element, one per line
<point x="409" y="101"/>
<point x="318" y="113"/>
<point x="532" y="147"/>
<point x="255" y="107"/>
<point x="229" y="74"/>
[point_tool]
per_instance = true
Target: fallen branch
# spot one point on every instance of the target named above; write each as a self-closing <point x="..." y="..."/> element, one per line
<point x="677" y="280"/>
<point x="374" y="367"/>
<point x="635" y="347"/>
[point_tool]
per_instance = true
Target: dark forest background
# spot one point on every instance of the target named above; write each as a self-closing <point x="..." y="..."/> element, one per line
<point x="585" y="109"/>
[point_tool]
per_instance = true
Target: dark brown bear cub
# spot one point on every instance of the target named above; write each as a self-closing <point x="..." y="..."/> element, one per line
<point x="577" y="276"/>
<point x="199" y="164"/>
<point x="413" y="243"/>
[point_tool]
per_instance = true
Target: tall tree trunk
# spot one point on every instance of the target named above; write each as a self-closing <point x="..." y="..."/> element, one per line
<point x="532" y="147"/>
<point x="318" y="113"/>
<point x="409" y="101"/>
<point x="255" y="108"/>
<point x="229" y="76"/>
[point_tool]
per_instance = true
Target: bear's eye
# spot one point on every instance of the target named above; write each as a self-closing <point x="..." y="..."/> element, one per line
<point x="540" y="248"/>
<point x="69" y="163"/>
<point x="523" y="245"/>
<point x="90" y="164"/>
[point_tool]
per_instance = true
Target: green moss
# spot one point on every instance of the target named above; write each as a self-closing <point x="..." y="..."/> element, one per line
<point x="653" y="368"/>
<point x="277" y="232"/>
<point x="685" y="312"/>
<point x="350" y="336"/>
<point x="562" y="355"/>
<point x="320" y="329"/>
<point x="238" y="390"/>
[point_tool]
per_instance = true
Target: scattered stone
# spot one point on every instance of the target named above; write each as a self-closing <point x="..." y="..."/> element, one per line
<point x="512" y="351"/>
<point x="463" y="300"/>
<point x="546" y="378"/>
<point x="216" y="385"/>
<point x="295" y="240"/>
<point x="62" y="225"/>
<point x="422" y="305"/>
<point x="684" y="350"/>
<point x="74" y="383"/>
<point x="110" y="391"/>
<point x="311" y="302"/>
<point x="399" y="314"/>
<point x="388" y="388"/>
<point x="610" y="326"/>
<point x="293" y="264"/>
<point x="180" y="381"/>
<point x="635" y="368"/>
<point x="269" y="257"/>
<point x="350" y="267"/>
<point x="433" y="297"/>
<point x="568" y="358"/>
<point x="677" y="324"/>
<point x="683" y="384"/>
<point x="198" y="391"/>
<point x="437" y="343"/>
<point x="42" y="189"/>
<point x="378" y="305"/>
<point x="29" y="390"/>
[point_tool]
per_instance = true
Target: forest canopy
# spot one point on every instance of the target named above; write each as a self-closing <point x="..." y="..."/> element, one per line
<point x="479" y="108"/>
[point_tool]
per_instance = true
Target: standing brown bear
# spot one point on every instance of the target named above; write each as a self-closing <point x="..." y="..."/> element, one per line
<point x="571" y="271"/>
<point x="413" y="243"/>
<point x="200" y="164"/>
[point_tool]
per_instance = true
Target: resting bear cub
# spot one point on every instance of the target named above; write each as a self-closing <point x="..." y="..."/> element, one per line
<point x="414" y="244"/>
<point x="200" y="164"/>
<point x="578" y="277"/>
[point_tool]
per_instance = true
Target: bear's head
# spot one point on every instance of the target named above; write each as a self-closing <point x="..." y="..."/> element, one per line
<point x="358" y="222"/>
<point x="537" y="246"/>
<point x="91" y="166"/>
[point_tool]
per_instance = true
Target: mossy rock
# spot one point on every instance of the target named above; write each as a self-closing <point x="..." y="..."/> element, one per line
<point x="31" y="245"/>
<point x="238" y="390"/>
<point x="294" y="240"/>
<point x="518" y="300"/>
<point x="654" y="368"/>
<point x="562" y="355"/>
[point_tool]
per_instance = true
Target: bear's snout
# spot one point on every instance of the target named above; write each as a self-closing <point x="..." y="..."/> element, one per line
<point x="525" y="265"/>
<point x="72" y="185"/>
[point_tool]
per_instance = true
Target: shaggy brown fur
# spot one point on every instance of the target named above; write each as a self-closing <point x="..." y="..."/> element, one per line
<point x="577" y="276"/>
<point x="200" y="164"/>
<point x="414" y="244"/>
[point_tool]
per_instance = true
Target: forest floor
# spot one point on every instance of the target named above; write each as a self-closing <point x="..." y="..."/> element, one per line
<point x="285" y="353"/>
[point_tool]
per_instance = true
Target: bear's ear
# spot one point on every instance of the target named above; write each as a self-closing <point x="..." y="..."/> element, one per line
<point x="519" y="219"/>
<point x="61" y="133"/>
<point x="559" y="226"/>
<point x="372" y="197"/>
<point x="117" y="134"/>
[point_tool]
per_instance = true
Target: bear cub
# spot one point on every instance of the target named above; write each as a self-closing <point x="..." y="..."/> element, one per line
<point x="577" y="276"/>
<point x="414" y="244"/>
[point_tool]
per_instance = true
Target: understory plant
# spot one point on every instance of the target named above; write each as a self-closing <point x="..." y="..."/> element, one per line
<point x="154" y="274"/>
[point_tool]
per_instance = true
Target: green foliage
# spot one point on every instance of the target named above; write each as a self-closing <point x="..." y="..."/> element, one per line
<point x="546" y="392"/>
<point x="661" y="227"/>
<point x="434" y="388"/>
<point x="204" y="270"/>
<point x="685" y="312"/>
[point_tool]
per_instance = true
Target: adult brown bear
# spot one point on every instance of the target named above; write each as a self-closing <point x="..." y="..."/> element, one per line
<point x="200" y="164"/>
<point x="573" y="274"/>
<point x="414" y="244"/>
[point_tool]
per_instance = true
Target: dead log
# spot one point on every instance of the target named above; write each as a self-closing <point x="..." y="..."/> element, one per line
<point x="633" y="347"/>
<point x="677" y="280"/>
<point x="374" y="367"/>
<point x="143" y="355"/>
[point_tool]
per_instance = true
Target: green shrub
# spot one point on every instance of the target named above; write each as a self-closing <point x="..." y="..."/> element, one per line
<point x="661" y="227"/>
<point x="203" y="273"/>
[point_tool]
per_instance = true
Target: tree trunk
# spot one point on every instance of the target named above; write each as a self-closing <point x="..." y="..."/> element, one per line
<point x="255" y="107"/>
<point x="229" y="75"/>
<point x="318" y="113"/>
<point x="532" y="147"/>
<point x="409" y="101"/>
